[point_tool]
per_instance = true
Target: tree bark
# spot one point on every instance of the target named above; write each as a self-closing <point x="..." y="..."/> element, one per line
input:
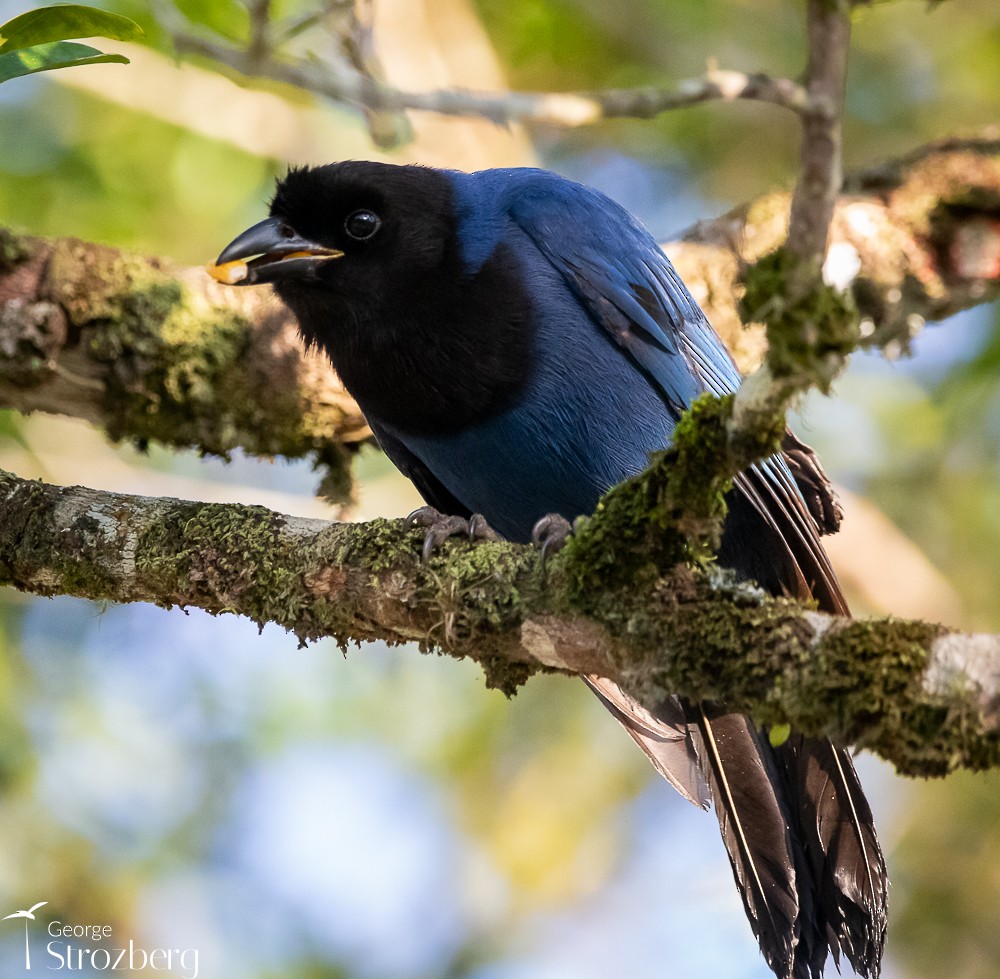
<point x="150" y="352"/>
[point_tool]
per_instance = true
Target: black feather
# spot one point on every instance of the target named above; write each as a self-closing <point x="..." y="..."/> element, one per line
<point x="666" y="736"/>
<point x="838" y="834"/>
<point x="757" y="833"/>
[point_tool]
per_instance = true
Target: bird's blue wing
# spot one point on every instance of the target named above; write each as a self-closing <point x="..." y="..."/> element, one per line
<point x="631" y="290"/>
<point x="627" y="286"/>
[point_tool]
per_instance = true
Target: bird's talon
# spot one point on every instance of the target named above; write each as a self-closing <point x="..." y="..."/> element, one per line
<point x="431" y="541"/>
<point x="424" y="516"/>
<point x="551" y="533"/>
<point x="440" y="527"/>
<point x="479" y="529"/>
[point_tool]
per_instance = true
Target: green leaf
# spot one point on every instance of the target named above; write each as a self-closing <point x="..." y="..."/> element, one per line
<point x="64" y="21"/>
<point x="45" y="57"/>
<point x="779" y="734"/>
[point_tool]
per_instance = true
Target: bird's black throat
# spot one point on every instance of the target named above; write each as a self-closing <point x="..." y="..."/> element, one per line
<point x="426" y="353"/>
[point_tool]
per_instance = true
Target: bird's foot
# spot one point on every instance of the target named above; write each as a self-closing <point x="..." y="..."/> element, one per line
<point x="551" y="533"/>
<point x="440" y="527"/>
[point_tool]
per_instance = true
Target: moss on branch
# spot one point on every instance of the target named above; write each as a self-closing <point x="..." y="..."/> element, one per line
<point x="670" y="513"/>
<point x="810" y="333"/>
<point x="860" y="682"/>
<point x="152" y="353"/>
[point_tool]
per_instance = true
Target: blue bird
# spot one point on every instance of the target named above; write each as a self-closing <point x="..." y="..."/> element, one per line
<point x="520" y="344"/>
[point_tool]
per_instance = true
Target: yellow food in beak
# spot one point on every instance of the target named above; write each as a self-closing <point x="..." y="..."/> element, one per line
<point x="229" y="273"/>
<point x="232" y="273"/>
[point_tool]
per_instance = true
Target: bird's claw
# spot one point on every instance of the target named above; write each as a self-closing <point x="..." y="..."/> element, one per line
<point x="550" y="533"/>
<point x="441" y="526"/>
<point x="479" y="529"/>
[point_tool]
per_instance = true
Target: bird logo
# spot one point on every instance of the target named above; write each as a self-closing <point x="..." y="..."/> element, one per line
<point x="28" y="915"/>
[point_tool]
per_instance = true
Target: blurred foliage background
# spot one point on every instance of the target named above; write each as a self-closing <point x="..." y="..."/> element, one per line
<point x="195" y="784"/>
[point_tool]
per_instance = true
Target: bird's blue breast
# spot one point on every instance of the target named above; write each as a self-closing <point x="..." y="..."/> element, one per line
<point x="587" y="419"/>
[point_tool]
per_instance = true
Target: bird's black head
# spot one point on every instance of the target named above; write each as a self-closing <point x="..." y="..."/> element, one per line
<point x="369" y="258"/>
<point x="341" y="226"/>
<point x="383" y="218"/>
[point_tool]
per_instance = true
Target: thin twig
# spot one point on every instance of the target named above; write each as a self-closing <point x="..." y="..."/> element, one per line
<point x="260" y="48"/>
<point x="292" y="28"/>
<point x="821" y="174"/>
<point x="356" y="39"/>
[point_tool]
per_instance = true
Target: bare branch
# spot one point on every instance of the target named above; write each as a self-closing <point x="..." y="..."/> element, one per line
<point x="569" y="109"/>
<point x="926" y="699"/>
<point x="820" y="176"/>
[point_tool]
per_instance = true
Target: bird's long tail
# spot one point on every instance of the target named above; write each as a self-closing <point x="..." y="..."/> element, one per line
<point x="838" y="835"/>
<point x="794" y="821"/>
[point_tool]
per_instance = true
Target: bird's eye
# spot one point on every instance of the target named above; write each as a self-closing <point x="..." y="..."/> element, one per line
<point x="361" y="225"/>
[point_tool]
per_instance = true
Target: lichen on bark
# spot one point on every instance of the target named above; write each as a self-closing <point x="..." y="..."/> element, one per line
<point x="152" y="353"/>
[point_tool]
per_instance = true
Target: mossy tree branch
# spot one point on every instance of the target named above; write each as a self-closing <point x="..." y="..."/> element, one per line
<point x="924" y="698"/>
<point x="811" y="326"/>
<point x="148" y="351"/>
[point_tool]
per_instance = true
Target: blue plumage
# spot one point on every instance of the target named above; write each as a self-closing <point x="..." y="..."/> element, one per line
<point x="520" y="344"/>
<point x="589" y="417"/>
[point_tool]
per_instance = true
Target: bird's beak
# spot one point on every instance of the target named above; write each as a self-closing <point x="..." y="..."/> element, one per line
<point x="269" y="251"/>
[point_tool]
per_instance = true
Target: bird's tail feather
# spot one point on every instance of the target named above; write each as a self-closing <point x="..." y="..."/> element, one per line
<point x="665" y="737"/>
<point x="797" y="827"/>
<point x="837" y="828"/>
<point x="755" y="827"/>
